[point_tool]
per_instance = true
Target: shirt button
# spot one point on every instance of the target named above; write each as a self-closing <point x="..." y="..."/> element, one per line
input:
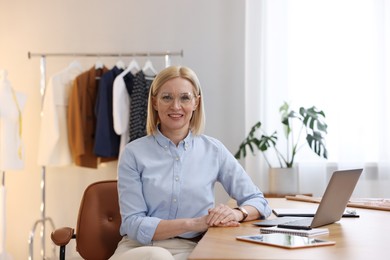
<point x="176" y="178"/>
<point x="174" y="200"/>
<point x="177" y="158"/>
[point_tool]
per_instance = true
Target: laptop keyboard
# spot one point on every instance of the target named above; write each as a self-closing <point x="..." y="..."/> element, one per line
<point x="303" y="223"/>
<point x="300" y="222"/>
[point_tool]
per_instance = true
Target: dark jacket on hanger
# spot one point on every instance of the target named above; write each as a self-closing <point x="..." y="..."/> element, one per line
<point x="106" y="140"/>
<point x="82" y="120"/>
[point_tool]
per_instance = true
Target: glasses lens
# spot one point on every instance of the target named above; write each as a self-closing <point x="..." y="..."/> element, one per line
<point x="166" y="98"/>
<point x="184" y="98"/>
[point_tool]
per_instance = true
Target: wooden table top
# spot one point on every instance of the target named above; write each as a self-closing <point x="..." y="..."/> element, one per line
<point x="366" y="237"/>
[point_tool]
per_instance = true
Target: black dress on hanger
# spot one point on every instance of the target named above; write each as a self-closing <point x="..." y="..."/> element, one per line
<point x="139" y="105"/>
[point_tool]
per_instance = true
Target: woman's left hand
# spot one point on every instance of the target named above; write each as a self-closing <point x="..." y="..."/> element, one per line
<point x="222" y="216"/>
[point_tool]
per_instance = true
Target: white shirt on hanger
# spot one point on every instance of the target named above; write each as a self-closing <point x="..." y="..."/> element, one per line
<point x="11" y="145"/>
<point x="53" y="147"/>
<point x="121" y="104"/>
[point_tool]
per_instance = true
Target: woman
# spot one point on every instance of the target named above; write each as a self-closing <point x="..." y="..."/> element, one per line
<point x="166" y="179"/>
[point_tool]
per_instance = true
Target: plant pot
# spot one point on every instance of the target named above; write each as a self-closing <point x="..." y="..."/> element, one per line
<point x="283" y="181"/>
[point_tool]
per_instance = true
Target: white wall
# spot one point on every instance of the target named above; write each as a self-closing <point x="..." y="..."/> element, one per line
<point x="211" y="34"/>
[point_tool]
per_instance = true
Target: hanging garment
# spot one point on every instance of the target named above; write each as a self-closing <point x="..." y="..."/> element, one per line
<point x="122" y="89"/>
<point x="139" y="105"/>
<point x="11" y="107"/>
<point x="53" y="147"/>
<point x="106" y="140"/>
<point x="81" y="117"/>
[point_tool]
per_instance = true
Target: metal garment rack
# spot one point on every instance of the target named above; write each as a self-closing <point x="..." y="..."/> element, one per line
<point x="42" y="221"/>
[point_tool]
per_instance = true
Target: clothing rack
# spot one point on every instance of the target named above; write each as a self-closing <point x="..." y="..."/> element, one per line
<point x="106" y="54"/>
<point x="3" y="254"/>
<point x="42" y="55"/>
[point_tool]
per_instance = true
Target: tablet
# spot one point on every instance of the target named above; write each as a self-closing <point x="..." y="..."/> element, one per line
<point x="285" y="240"/>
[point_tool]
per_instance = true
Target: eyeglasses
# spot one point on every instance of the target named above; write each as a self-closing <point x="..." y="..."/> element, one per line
<point x="184" y="98"/>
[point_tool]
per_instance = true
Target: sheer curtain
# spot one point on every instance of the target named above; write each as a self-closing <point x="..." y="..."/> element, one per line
<point x="333" y="54"/>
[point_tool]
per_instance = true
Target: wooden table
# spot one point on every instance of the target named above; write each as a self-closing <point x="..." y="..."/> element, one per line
<point x="367" y="237"/>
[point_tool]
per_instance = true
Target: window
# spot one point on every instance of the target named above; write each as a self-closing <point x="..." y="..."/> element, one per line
<point x="333" y="54"/>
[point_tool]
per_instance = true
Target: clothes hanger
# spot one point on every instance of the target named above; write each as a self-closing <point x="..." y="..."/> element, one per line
<point x="120" y="64"/>
<point x="133" y="67"/>
<point x="99" y="64"/>
<point x="148" y="68"/>
<point x="75" y="64"/>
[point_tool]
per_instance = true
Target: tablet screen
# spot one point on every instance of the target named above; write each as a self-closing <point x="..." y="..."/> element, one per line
<point x="285" y="240"/>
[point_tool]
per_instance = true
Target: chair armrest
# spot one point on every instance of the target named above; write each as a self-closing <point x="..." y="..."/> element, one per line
<point x="62" y="236"/>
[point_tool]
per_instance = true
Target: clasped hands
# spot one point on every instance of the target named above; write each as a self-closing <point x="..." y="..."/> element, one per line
<point x="223" y="216"/>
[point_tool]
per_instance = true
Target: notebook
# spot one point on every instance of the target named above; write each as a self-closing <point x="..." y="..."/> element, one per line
<point x="332" y="206"/>
<point x="304" y="233"/>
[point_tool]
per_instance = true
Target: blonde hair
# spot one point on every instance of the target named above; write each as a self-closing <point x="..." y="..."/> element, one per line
<point x="197" y="122"/>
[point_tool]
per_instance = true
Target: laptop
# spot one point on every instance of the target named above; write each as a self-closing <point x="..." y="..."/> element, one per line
<point x="331" y="208"/>
<point x="308" y="212"/>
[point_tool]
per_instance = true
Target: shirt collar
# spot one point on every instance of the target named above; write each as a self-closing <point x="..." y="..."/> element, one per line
<point x="164" y="142"/>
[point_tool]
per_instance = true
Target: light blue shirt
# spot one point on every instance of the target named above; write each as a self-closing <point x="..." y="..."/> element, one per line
<point x="157" y="180"/>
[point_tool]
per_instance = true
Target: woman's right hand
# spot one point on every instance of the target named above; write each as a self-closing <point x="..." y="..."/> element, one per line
<point x="222" y="216"/>
<point x="199" y="224"/>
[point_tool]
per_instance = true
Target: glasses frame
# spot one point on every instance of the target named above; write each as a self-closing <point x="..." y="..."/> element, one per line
<point x="184" y="98"/>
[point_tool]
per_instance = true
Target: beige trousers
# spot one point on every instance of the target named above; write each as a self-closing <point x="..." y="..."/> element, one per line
<point x="169" y="249"/>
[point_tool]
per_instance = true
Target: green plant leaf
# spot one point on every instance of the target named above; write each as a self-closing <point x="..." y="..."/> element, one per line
<point x="249" y="141"/>
<point x="314" y="119"/>
<point x="267" y="141"/>
<point x="312" y="124"/>
<point x="316" y="143"/>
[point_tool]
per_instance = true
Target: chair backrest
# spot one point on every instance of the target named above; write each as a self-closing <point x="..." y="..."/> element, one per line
<point x="97" y="232"/>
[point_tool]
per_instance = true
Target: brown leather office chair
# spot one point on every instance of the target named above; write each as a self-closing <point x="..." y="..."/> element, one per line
<point x="97" y="232"/>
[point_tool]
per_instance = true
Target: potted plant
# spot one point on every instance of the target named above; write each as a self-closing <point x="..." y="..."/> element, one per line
<point x="308" y="123"/>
